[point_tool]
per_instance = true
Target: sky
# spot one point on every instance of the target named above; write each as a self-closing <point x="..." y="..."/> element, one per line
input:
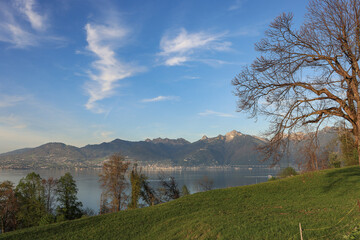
<point x="88" y="71"/>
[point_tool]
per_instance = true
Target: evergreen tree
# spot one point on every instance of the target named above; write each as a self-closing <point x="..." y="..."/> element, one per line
<point x="30" y="193"/>
<point x="185" y="191"/>
<point x="136" y="180"/>
<point x="69" y="206"/>
<point x="168" y="188"/>
<point x="349" y="154"/>
<point x="148" y="194"/>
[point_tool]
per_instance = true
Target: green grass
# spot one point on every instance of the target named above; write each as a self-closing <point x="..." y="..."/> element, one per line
<point x="270" y="210"/>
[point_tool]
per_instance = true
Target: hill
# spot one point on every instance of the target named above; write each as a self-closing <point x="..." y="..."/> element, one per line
<point x="325" y="203"/>
<point x="233" y="148"/>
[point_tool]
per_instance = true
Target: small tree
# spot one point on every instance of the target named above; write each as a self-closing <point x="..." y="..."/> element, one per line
<point x="113" y="181"/>
<point x="30" y="194"/>
<point x="185" y="191"/>
<point x="310" y="155"/>
<point x="205" y="184"/>
<point x="148" y="194"/>
<point x="49" y="193"/>
<point x="349" y="154"/>
<point x="8" y="207"/>
<point x="287" y="172"/>
<point x="104" y="204"/>
<point x="168" y="188"/>
<point x="69" y="206"/>
<point x="136" y="180"/>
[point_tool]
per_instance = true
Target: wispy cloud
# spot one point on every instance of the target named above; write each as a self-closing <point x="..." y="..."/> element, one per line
<point x="216" y="114"/>
<point x="107" y="70"/>
<point x="181" y="47"/>
<point x="12" y="121"/>
<point x="23" y="25"/>
<point x="27" y="7"/>
<point x="236" y="5"/>
<point x="191" y="77"/>
<point x="10" y="100"/>
<point x="161" y="98"/>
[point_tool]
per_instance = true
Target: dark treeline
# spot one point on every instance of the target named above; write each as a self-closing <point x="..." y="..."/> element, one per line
<point x="36" y="201"/>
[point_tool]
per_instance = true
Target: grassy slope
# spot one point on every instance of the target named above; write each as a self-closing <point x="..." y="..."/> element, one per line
<point x="270" y="210"/>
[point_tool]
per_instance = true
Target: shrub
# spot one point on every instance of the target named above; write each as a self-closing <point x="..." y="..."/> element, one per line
<point x="287" y="172"/>
<point x="271" y="178"/>
<point x="334" y="160"/>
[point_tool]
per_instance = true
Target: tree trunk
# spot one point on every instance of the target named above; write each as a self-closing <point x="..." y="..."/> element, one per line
<point x="358" y="149"/>
<point x="357" y="144"/>
<point x="2" y="226"/>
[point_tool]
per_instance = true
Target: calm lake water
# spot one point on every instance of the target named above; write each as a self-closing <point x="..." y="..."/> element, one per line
<point x="89" y="187"/>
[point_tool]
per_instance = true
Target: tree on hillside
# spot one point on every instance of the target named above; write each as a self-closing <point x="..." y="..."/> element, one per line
<point x="136" y="180"/>
<point x="349" y="153"/>
<point x="148" y="194"/>
<point x="305" y="76"/>
<point x="310" y="154"/>
<point x="168" y="188"/>
<point x="69" y="207"/>
<point x="30" y="194"/>
<point x="205" y="184"/>
<point x="49" y="192"/>
<point x="8" y="207"/>
<point x="113" y="181"/>
<point x="185" y="191"/>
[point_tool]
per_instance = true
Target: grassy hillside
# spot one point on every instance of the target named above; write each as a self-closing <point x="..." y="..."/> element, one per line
<point x="326" y="201"/>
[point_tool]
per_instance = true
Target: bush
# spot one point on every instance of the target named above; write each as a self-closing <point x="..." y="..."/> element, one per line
<point x="271" y="178"/>
<point x="287" y="172"/>
<point x="334" y="160"/>
<point x="47" y="219"/>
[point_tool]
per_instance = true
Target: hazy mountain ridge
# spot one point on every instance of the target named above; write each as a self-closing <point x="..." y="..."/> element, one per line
<point x="233" y="148"/>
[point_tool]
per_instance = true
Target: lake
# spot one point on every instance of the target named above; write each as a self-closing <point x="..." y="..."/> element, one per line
<point x="89" y="187"/>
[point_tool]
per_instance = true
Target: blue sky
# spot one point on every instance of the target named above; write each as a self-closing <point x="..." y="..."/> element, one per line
<point x="80" y="72"/>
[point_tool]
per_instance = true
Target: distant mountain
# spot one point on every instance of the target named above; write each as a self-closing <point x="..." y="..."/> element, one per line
<point x="233" y="148"/>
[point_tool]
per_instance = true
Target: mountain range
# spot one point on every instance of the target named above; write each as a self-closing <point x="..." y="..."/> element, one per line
<point x="231" y="149"/>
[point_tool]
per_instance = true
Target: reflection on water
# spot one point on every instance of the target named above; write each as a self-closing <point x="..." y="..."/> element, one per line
<point x="89" y="187"/>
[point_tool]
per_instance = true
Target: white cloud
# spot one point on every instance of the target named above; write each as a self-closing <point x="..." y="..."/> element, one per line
<point x="107" y="70"/>
<point x="10" y="100"/>
<point x="161" y="98"/>
<point x="22" y="26"/>
<point x="178" y="49"/>
<point x="236" y="5"/>
<point x="191" y="77"/>
<point x="216" y="114"/>
<point x="175" y="61"/>
<point x="36" y="20"/>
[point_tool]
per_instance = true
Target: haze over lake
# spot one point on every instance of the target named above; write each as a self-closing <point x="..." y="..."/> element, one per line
<point x="89" y="187"/>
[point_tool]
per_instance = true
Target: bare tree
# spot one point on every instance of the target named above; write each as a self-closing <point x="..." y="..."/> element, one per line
<point x="49" y="192"/>
<point x="168" y="188"/>
<point x="205" y="183"/>
<point x="113" y="181"/>
<point x="104" y="204"/>
<point x="307" y="75"/>
<point x="310" y="155"/>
